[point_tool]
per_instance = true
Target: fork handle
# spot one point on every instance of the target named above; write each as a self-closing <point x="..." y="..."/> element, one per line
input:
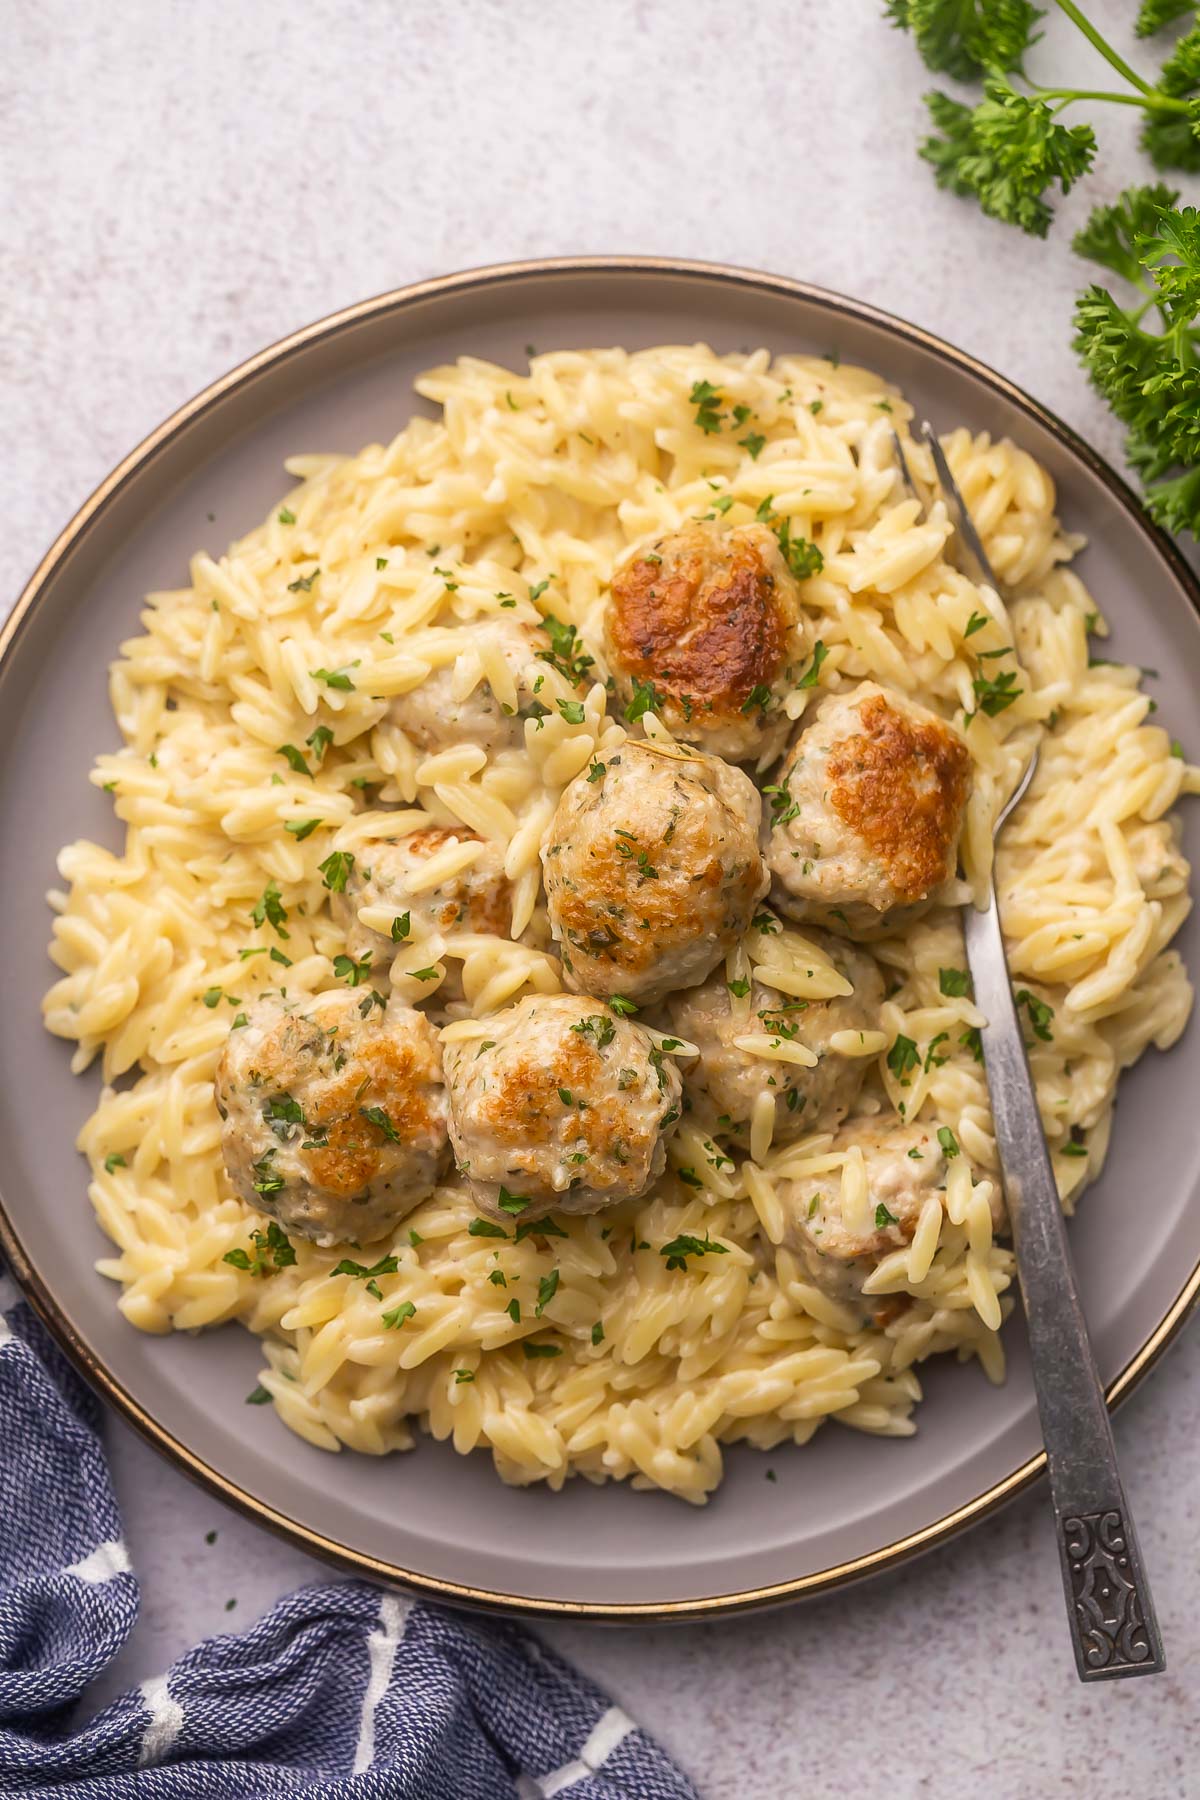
<point x="1113" y="1624"/>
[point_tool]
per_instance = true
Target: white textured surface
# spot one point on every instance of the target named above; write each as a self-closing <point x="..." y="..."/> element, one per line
<point x="190" y="182"/>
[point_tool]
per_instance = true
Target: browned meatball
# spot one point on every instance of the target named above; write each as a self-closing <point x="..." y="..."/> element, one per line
<point x="724" y="1081"/>
<point x="561" y="1105"/>
<point x="334" y="1113"/>
<point x="866" y="812"/>
<point x="652" y="869"/>
<point x="709" y="615"/>
<point x="904" y="1163"/>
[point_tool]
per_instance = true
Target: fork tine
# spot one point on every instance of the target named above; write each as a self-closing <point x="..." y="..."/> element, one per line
<point x="963" y="522"/>
<point x="905" y="471"/>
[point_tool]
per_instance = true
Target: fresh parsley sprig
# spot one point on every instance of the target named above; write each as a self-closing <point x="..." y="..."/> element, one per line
<point x="1143" y="357"/>
<point x="1012" y="148"/>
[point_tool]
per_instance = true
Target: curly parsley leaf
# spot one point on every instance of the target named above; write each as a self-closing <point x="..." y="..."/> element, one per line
<point x="1007" y="152"/>
<point x="967" y="38"/>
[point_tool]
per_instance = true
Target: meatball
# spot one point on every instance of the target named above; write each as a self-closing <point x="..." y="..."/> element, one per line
<point x="724" y="1082"/>
<point x="562" y="1105"/>
<point x="904" y="1163"/>
<point x="334" y="1113"/>
<point x="866" y="812"/>
<point x="477" y="899"/>
<point x="438" y="713"/>
<point x="709" y="614"/>
<point x="652" y="869"/>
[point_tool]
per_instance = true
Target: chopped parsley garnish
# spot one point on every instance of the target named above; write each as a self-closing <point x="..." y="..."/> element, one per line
<point x="532" y="1350"/>
<point x="598" y="1027"/>
<point x="954" y="983"/>
<point x="258" y="1396"/>
<point x="566" y="653"/>
<point x="286" y="516"/>
<point x="266" y="1180"/>
<point x="335" y="678"/>
<point x="398" y="1315"/>
<point x="319" y="742"/>
<point x="447" y="576"/>
<point x="1040" y="1014"/>
<point x="646" y="698"/>
<point x="1073" y="1148"/>
<point x="539" y="1228"/>
<point x="270" y="908"/>
<point x="975" y="623"/>
<point x="903" y="1058"/>
<point x="994" y="694"/>
<point x="381" y="562"/>
<point x="281" y="1112"/>
<point x="375" y="1115"/>
<point x="513" y="1309"/>
<point x="211" y="996"/>
<point x="884" y="1218"/>
<point x="809" y="677"/>
<point x="387" y="1265"/>
<point x="336" y="870"/>
<point x="801" y="556"/>
<point x="598" y="1332"/>
<point x="114" y="1161"/>
<point x="401" y="925"/>
<point x="947" y="1140"/>
<point x="596" y="771"/>
<point x="301" y="828"/>
<point x="485" y="1228"/>
<point x="547" y="1288"/>
<point x="621" y="1005"/>
<point x="303" y="585"/>
<point x="739" y="988"/>
<point x="685" y="1245"/>
<point x="272" y="1246"/>
<point x="572" y="711"/>
<point x="706" y="399"/>
<point x="512" y="1203"/>
<point x="760" y="697"/>
<point x="295" y="759"/>
<point x="753" y="442"/>
<point x="348" y="970"/>
<point x="461" y="1375"/>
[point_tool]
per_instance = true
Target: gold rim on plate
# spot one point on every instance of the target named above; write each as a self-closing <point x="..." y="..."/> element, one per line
<point x="360" y="1562"/>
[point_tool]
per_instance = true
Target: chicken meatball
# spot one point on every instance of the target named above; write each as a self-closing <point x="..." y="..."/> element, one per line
<point x="445" y="710"/>
<point x="563" y="1106"/>
<point x="334" y="1113"/>
<point x="904" y="1164"/>
<point x="477" y="899"/>
<point x="723" y="1082"/>
<point x="866" y="812"/>
<point x="710" y="615"/>
<point x="652" y="870"/>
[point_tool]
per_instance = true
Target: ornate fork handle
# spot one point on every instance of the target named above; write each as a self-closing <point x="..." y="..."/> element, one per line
<point x="1113" y="1624"/>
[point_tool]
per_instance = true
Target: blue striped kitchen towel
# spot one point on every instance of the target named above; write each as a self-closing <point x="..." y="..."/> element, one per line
<point x="341" y="1690"/>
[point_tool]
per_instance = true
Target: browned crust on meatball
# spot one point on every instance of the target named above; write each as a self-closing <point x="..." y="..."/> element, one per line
<point x="391" y="1075"/>
<point x="901" y="785"/>
<point x="630" y="893"/>
<point x="707" y="623"/>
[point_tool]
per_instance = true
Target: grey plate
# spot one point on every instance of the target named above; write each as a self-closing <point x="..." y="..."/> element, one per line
<point x="844" y="1506"/>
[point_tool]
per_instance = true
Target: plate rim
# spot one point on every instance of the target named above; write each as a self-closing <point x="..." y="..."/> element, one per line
<point x="55" y="1317"/>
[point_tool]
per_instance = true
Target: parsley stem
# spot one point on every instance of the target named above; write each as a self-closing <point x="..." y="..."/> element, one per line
<point x="1102" y="45"/>
<point x="1151" y="101"/>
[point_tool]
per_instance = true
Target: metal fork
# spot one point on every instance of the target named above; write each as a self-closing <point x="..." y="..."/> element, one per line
<point x="1113" y="1625"/>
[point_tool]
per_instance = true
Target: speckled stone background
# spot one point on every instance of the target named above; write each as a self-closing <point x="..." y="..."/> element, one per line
<point x="185" y="183"/>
